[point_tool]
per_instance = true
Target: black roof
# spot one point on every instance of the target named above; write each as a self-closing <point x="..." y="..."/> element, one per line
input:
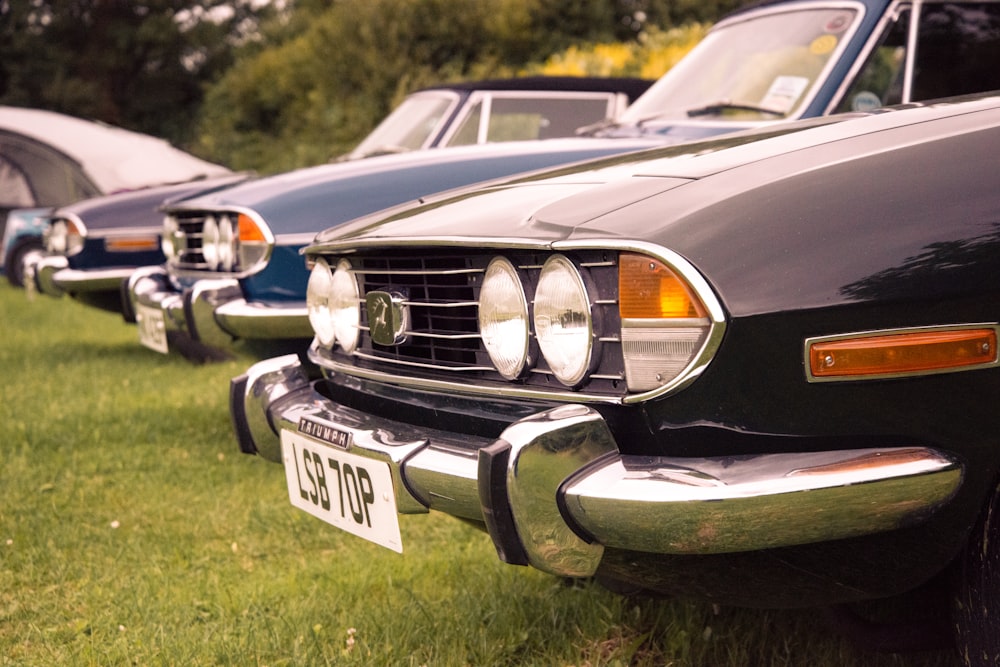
<point x="631" y="86"/>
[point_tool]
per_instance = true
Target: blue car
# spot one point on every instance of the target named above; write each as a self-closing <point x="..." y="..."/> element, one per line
<point x="233" y="270"/>
<point x="93" y="246"/>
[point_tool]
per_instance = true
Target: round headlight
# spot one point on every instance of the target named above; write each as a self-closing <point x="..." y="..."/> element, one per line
<point x="563" y="324"/>
<point x="503" y="318"/>
<point x="345" y="307"/>
<point x="55" y="238"/>
<point x="210" y="242"/>
<point x="226" y="244"/>
<point x="319" y="291"/>
<point x="168" y="239"/>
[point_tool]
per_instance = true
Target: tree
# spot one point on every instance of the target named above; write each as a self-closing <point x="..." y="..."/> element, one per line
<point x="140" y="64"/>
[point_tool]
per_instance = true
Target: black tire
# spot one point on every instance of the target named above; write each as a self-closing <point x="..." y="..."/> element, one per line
<point x="976" y="607"/>
<point x="13" y="268"/>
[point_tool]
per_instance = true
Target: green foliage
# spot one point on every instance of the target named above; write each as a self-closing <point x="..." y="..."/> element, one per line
<point x="140" y="64"/>
<point x="313" y="97"/>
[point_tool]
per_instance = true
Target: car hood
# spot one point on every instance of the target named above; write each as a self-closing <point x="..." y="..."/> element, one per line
<point x="312" y="199"/>
<point x="551" y="204"/>
<point x="826" y="192"/>
<point x="140" y="208"/>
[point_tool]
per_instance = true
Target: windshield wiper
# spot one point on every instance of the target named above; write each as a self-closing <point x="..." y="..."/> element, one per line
<point x="594" y="128"/>
<point x="729" y="105"/>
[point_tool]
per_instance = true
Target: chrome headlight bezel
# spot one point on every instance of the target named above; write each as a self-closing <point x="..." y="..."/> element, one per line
<point x="170" y="238"/>
<point x="503" y="318"/>
<point x="333" y="305"/>
<point x="345" y="307"/>
<point x="319" y="291"/>
<point x="63" y="236"/>
<point x="564" y="321"/>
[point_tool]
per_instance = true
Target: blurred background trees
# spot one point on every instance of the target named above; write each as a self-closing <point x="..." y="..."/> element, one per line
<point x="272" y="86"/>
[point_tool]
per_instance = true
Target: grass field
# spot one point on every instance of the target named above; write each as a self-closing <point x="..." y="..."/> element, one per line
<point x="132" y="532"/>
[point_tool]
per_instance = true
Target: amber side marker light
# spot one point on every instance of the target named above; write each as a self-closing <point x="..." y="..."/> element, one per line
<point x="901" y="353"/>
<point x="133" y="244"/>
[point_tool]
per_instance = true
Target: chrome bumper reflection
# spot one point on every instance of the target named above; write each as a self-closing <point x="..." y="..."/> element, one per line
<point x="55" y="278"/>
<point x="213" y="312"/>
<point x="554" y="490"/>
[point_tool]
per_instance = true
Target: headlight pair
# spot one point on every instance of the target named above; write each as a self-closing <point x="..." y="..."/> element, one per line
<point x="230" y="241"/>
<point x="64" y="236"/>
<point x="333" y="303"/>
<point x="563" y="321"/>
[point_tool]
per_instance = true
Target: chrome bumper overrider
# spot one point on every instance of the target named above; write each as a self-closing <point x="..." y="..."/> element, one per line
<point x="213" y="311"/>
<point x="554" y="491"/>
<point x="54" y="277"/>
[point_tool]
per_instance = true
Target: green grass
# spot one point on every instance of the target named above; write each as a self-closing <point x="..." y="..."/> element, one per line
<point x="132" y="532"/>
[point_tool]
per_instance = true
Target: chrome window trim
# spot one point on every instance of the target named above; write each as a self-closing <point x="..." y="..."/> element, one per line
<point x="812" y="379"/>
<point x="865" y="53"/>
<point x="486" y="97"/>
<point x="700" y="361"/>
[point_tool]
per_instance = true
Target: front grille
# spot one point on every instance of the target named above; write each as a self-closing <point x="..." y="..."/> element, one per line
<point x="190" y="226"/>
<point x="441" y="292"/>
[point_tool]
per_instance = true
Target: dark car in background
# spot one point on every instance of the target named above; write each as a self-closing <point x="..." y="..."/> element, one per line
<point x="481" y="112"/>
<point x="49" y="159"/>
<point x="754" y="370"/>
<point x="93" y="246"/>
<point x="772" y="63"/>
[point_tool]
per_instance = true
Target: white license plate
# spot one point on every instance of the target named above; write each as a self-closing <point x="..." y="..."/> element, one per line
<point x="348" y="491"/>
<point x="152" y="328"/>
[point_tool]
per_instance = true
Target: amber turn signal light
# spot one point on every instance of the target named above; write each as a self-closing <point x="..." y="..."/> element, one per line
<point x="902" y="353"/>
<point x="249" y="230"/>
<point x="648" y="289"/>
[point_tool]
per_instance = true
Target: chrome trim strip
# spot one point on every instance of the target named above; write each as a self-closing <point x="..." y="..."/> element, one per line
<point x="417" y="272"/>
<point x="893" y="332"/>
<point x="452" y="386"/>
<point x="92" y="280"/>
<point x="259" y="320"/>
<point x="43" y="268"/>
<point x="411" y="364"/>
<point x="450" y="304"/>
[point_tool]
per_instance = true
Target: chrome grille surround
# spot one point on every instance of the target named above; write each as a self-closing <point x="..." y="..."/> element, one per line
<point x="187" y="241"/>
<point x="439" y="282"/>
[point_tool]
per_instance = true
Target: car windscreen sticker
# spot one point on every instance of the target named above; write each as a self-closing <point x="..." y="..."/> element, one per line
<point x="784" y="92"/>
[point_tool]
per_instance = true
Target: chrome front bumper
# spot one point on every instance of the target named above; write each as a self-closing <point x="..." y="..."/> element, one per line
<point x="54" y="277"/>
<point x="554" y="490"/>
<point x="213" y="312"/>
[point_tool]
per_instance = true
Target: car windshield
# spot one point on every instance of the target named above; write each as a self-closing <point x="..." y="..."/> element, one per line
<point x="759" y="68"/>
<point x="409" y="126"/>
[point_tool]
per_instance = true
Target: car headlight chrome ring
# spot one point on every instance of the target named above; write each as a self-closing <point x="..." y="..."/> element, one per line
<point x="345" y="307"/>
<point x="210" y="242"/>
<point x="564" y="324"/>
<point x="503" y="318"/>
<point x="319" y="291"/>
